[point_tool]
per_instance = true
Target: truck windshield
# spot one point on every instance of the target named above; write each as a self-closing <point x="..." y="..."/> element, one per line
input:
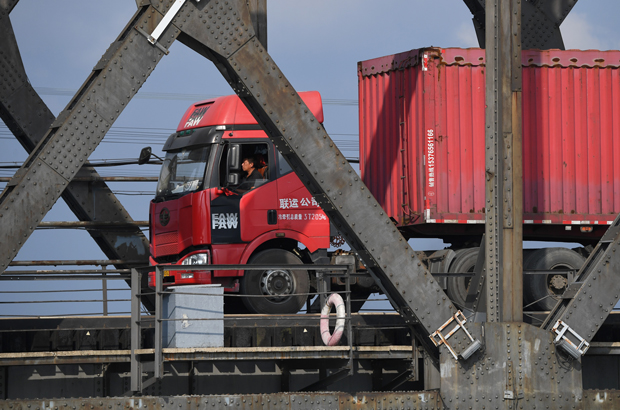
<point x="183" y="172"/>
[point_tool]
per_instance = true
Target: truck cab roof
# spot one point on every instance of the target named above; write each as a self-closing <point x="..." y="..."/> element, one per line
<point x="229" y="111"/>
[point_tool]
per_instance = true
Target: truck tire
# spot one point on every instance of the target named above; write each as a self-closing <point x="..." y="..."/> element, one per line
<point x="464" y="261"/>
<point x="542" y="292"/>
<point x="275" y="291"/>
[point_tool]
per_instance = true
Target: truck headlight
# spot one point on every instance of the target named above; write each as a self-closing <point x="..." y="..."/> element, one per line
<point x="196" y="259"/>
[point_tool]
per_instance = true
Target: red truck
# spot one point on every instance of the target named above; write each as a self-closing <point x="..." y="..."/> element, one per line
<point x="422" y="117"/>
<point x="422" y="153"/>
<point x="204" y="212"/>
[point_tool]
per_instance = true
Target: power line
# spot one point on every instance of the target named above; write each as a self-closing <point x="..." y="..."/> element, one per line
<point x="177" y="96"/>
<point x="156" y="137"/>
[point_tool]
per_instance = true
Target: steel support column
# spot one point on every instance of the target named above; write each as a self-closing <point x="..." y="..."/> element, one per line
<point x="504" y="186"/>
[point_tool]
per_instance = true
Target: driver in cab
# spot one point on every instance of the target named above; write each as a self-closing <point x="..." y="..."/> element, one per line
<point x="248" y="166"/>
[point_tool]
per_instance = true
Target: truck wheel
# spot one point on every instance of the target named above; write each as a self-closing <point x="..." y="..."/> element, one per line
<point x="542" y="292"/>
<point x="275" y="291"/>
<point x="464" y="261"/>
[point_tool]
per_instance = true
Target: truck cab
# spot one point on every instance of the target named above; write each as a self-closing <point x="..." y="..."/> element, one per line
<point x="206" y="212"/>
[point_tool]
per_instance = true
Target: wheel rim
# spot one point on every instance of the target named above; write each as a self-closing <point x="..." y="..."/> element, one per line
<point x="557" y="284"/>
<point x="278" y="284"/>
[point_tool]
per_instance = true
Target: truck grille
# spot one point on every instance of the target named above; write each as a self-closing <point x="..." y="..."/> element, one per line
<point x="167" y="244"/>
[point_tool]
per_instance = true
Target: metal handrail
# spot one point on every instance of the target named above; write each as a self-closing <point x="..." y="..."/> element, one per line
<point x="137" y="384"/>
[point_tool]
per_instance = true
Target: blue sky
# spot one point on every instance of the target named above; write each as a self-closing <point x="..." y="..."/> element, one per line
<point x="317" y="44"/>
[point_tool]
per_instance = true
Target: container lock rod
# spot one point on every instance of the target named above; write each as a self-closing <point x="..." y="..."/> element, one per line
<point x="438" y="337"/>
<point x="576" y="350"/>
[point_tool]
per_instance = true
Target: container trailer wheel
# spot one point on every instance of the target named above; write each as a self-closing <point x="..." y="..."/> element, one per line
<point x="464" y="261"/>
<point x="275" y="291"/>
<point x="542" y="292"/>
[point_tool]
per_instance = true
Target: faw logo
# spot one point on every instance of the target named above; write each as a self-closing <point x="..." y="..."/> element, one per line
<point x="196" y="116"/>
<point x="164" y="217"/>
<point x="225" y="221"/>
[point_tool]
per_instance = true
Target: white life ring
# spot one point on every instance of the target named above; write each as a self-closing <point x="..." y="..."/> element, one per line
<point x="328" y="338"/>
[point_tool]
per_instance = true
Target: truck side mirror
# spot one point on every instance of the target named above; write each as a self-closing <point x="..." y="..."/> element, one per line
<point x="234" y="157"/>
<point x="145" y="155"/>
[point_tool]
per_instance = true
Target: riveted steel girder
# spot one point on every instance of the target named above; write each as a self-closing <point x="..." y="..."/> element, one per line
<point x="276" y="401"/>
<point x="541" y="20"/>
<point x="225" y="29"/>
<point x="592" y="296"/>
<point x="415" y="400"/>
<point x="518" y="368"/>
<point x="27" y="116"/>
<point x="72" y="137"/>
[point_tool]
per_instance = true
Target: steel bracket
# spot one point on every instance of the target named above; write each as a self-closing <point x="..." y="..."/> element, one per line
<point x="165" y="22"/>
<point x="152" y="40"/>
<point x="560" y="328"/>
<point x="163" y="25"/>
<point x="438" y="337"/>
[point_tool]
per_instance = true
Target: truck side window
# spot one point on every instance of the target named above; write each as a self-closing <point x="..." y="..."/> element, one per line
<point x="283" y="166"/>
<point x="258" y="155"/>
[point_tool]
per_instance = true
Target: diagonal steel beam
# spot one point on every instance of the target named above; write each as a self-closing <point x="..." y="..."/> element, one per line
<point x="21" y="109"/>
<point x="258" y="13"/>
<point x="6" y="6"/>
<point x="476" y="7"/>
<point x="222" y="30"/>
<point x="72" y="137"/>
<point x="588" y="301"/>
<point x="27" y="116"/>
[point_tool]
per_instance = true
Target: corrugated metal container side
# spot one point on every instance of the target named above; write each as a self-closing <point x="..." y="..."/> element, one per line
<point x="422" y="118"/>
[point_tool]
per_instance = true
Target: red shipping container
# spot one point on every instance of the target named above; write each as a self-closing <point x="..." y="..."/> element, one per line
<point x="422" y="118"/>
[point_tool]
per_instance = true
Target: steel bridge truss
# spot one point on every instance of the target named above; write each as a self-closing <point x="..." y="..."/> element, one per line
<point x="222" y="31"/>
<point x="470" y="356"/>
